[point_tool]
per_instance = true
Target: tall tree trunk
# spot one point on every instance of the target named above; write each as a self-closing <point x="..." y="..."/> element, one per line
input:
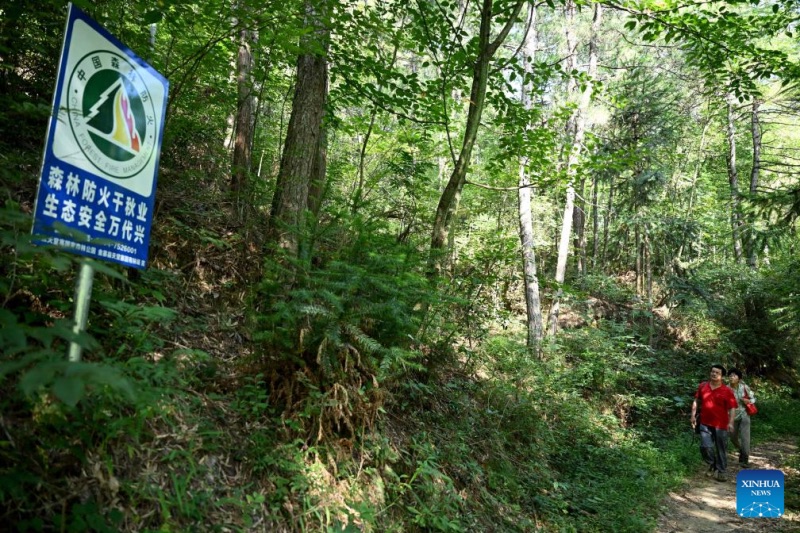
<point x="576" y="125"/>
<point x="693" y="188"/>
<point x="648" y="266"/>
<point x="579" y="215"/>
<point x="733" y="181"/>
<point x="639" y="258"/>
<point x="752" y="245"/>
<point x="595" y="219"/>
<point x="301" y="158"/>
<point x="244" y="128"/>
<point x="561" y="264"/>
<point x="480" y="76"/>
<point x="607" y="221"/>
<point x="533" y="304"/>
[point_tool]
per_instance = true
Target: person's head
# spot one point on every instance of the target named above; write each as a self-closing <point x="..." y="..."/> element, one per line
<point x="734" y="375"/>
<point x="717" y="373"/>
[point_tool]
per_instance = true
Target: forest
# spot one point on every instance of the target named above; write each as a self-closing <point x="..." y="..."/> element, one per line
<point x="414" y="265"/>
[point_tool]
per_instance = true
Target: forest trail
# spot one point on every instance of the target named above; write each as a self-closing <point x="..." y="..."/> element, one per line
<point x="708" y="506"/>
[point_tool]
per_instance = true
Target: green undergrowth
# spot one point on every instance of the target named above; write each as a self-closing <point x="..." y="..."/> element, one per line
<point x="778" y="412"/>
<point x="524" y="452"/>
<point x="465" y="455"/>
<point x="159" y="439"/>
<point x="167" y="426"/>
<point x="497" y="443"/>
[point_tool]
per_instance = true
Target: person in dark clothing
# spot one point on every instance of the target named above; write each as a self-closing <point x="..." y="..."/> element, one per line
<point x="717" y="404"/>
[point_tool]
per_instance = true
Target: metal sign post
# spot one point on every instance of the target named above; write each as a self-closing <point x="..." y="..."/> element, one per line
<point x="83" y="295"/>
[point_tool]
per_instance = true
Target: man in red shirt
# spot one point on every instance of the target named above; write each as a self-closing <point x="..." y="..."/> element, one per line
<point x="717" y="412"/>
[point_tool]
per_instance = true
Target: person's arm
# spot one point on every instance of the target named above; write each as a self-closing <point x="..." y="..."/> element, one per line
<point x="731" y="418"/>
<point x="694" y="413"/>
<point x="750" y="398"/>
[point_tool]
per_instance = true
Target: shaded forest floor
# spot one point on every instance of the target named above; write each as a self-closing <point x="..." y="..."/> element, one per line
<point x="708" y="506"/>
<point x="463" y="438"/>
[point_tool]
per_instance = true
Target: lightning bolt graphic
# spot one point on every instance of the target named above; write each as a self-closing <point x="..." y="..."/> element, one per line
<point x="95" y="109"/>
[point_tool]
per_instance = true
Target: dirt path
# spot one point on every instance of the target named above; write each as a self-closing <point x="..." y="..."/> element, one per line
<point x="704" y="505"/>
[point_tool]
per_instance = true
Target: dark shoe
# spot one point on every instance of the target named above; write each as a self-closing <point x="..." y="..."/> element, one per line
<point x="744" y="465"/>
<point x="720" y="477"/>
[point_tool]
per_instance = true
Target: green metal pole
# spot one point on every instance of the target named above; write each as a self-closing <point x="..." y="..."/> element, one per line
<point x="83" y="294"/>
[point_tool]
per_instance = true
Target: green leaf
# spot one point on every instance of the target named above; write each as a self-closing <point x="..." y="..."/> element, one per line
<point x="86" y="5"/>
<point x="39" y="376"/>
<point x="152" y="17"/>
<point x="107" y="270"/>
<point x="12" y="366"/>
<point x="12" y="339"/>
<point x="69" y="389"/>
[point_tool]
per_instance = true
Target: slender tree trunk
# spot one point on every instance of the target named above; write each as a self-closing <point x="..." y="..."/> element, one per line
<point x="480" y="76"/>
<point x="752" y="245"/>
<point x="595" y="219"/>
<point x="639" y="257"/>
<point x="301" y="159"/>
<point x="533" y="304"/>
<point x="576" y="126"/>
<point x="648" y="266"/>
<point x="693" y="188"/>
<point x="561" y="264"/>
<point x="607" y="221"/>
<point x="579" y="215"/>
<point x="573" y="150"/>
<point x="358" y="193"/>
<point x="733" y="180"/>
<point x="245" y="113"/>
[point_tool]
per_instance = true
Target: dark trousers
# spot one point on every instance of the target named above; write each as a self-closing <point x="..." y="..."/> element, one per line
<point x="713" y="447"/>
<point x="741" y="438"/>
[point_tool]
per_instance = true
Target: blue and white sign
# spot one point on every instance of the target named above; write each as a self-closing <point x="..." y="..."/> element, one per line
<point x="98" y="180"/>
<point x="759" y="494"/>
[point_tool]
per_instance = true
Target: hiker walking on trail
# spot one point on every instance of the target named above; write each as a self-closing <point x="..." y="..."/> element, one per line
<point x="740" y="437"/>
<point x="717" y="405"/>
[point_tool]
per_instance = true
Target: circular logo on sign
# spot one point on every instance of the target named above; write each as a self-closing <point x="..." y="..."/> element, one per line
<point x="111" y="114"/>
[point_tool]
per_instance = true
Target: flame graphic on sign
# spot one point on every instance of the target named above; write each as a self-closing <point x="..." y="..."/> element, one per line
<point x="124" y="125"/>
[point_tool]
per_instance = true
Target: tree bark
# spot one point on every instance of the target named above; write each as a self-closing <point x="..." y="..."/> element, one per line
<point x="607" y="221"/>
<point x="752" y="246"/>
<point x="300" y="163"/>
<point x="244" y="126"/>
<point x="595" y="219"/>
<point x="639" y="259"/>
<point x="733" y="181"/>
<point x="316" y="189"/>
<point x="535" y="326"/>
